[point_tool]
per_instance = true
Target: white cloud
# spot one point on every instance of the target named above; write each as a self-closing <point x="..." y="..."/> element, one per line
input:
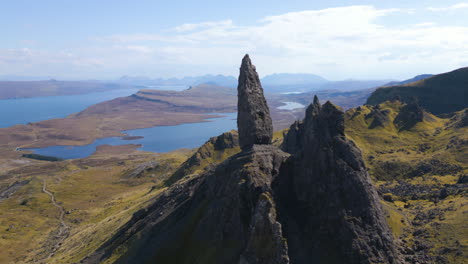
<point x="190" y="27"/>
<point x="337" y="43"/>
<point x="448" y="8"/>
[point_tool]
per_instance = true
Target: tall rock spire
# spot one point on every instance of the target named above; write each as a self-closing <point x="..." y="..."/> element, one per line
<point x="253" y="117"/>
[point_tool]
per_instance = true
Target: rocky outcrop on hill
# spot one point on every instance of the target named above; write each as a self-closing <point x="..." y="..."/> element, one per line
<point x="460" y="120"/>
<point x="253" y="118"/>
<point x="224" y="216"/>
<point x="263" y="205"/>
<point x="331" y="212"/>
<point x="409" y="115"/>
<point x="211" y="153"/>
<point x="380" y="117"/>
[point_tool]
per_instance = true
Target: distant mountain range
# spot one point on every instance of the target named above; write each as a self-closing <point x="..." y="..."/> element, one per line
<point x="274" y="83"/>
<point x="16" y="78"/>
<point x="222" y="80"/>
<point x="278" y="79"/>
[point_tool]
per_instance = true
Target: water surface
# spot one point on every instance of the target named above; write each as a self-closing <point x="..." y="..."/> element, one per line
<point x="291" y="106"/>
<point x="24" y="110"/>
<point x="155" y="139"/>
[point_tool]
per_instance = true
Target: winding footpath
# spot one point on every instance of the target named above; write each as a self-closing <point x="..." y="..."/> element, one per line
<point x="64" y="228"/>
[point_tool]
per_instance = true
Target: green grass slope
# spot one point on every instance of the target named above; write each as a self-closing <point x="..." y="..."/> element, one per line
<point x="420" y="173"/>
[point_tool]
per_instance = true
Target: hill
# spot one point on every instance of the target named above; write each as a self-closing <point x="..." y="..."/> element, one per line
<point x="220" y="80"/>
<point x="292" y="83"/>
<point x="27" y="89"/>
<point x="414" y="79"/>
<point x="439" y="94"/>
<point x="352" y="85"/>
<point x="264" y="205"/>
<point x="383" y="183"/>
<point x="420" y="170"/>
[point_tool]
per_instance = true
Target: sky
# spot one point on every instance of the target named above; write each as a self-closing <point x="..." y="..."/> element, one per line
<point x="346" y="39"/>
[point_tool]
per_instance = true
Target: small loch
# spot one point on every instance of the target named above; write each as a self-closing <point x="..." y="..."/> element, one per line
<point x="154" y="139"/>
<point x="291" y="106"/>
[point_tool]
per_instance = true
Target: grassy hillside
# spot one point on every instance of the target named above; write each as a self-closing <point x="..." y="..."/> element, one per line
<point x="420" y="173"/>
<point x="97" y="194"/>
<point x="419" y="166"/>
<point x="442" y="93"/>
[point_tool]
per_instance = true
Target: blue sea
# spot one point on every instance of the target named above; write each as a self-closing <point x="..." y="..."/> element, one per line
<point x="22" y="111"/>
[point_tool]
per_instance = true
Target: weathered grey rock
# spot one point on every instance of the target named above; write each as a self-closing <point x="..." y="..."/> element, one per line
<point x="253" y="118"/>
<point x="328" y="207"/>
<point x="224" y="216"/>
<point x="262" y="205"/>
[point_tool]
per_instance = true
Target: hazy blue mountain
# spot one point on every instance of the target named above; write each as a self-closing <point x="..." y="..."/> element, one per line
<point x="414" y="79"/>
<point x="23" y="78"/>
<point x="351" y="85"/>
<point x="292" y="79"/>
<point x="221" y="80"/>
<point x="291" y="82"/>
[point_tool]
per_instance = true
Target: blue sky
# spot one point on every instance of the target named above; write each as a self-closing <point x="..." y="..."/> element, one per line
<point x="389" y="39"/>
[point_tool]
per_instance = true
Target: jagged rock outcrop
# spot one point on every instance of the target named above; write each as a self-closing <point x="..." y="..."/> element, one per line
<point x="460" y="119"/>
<point x="329" y="209"/>
<point x="253" y="118"/>
<point x="290" y="143"/>
<point x="380" y="117"/>
<point x="409" y="116"/>
<point x="224" y="216"/>
<point x="140" y="170"/>
<point x="263" y="205"/>
<point x="211" y="153"/>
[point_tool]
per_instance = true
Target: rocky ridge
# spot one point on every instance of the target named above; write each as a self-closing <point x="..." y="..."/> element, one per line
<point x="315" y="204"/>
<point x="332" y="212"/>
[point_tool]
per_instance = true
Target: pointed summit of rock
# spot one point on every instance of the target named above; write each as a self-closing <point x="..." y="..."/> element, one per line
<point x="262" y="205"/>
<point x="330" y="195"/>
<point x="253" y="118"/>
<point x="314" y="108"/>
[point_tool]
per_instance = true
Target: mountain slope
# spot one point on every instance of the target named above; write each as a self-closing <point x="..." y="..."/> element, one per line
<point x="264" y="205"/>
<point x="442" y="93"/>
<point x="414" y="79"/>
<point x="420" y="172"/>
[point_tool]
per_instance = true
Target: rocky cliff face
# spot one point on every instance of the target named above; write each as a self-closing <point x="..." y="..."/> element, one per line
<point x="263" y="205"/>
<point x="329" y="209"/>
<point x="253" y="118"/>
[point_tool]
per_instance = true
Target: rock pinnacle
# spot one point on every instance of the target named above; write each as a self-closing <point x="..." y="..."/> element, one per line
<point x="253" y="117"/>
